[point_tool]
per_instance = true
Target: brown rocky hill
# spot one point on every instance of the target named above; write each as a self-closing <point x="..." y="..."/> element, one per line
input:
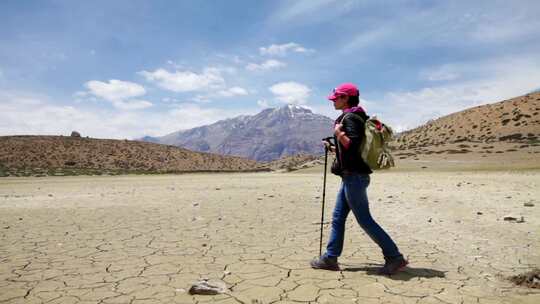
<point x="59" y="155"/>
<point x="509" y="130"/>
<point x="516" y="120"/>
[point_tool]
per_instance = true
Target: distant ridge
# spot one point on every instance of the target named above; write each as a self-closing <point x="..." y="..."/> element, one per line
<point x="506" y="132"/>
<point x="269" y="135"/>
<point x="516" y="119"/>
<point x="535" y="91"/>
<point x="64" y="155"/>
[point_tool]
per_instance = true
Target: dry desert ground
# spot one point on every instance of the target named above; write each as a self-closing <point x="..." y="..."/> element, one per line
<point x="147" y="238"/>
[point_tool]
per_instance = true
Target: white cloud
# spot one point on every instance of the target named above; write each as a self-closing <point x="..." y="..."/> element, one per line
<point x="229" y="70"/>
<point x="234" y="91"/>
<point x="283" y="49"/>
<point x="177" y="65"/>
<point x="25" y="113"/>
<point x="170" y="100"/>
<point x="442" y="73"/>
<point x="452" y="25"/>
<point x="186" y="81"/>
<point x="190" y="115"/>
<point x="118" y="93"/>
<point x="115" y="89"/>
<point x="237" y="60"/>
<point x="501" y="79"/>
<point x="10" y="100"/>
<point x="263" y="103"/>
<point x="291" y="92"/>
<point x="267" y="65"/>
<point x="520" y="25"/>
<point x="225" y="93"/>
<point x="302" y="7"/>
<point x="312" y="11"/>
<point x="366" y="39"/>
<point x="81" y="94"/>
<point x="133" y="104"/>
<point x="84" y="97"/>
<point x="187" y="116"/>
<point x="202" y="99"/>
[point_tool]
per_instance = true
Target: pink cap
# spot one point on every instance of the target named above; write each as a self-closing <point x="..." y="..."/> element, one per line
<point x="346" y="89"/>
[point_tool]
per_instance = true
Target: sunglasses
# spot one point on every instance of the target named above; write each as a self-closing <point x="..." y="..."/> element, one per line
<point x="338" y="93"/>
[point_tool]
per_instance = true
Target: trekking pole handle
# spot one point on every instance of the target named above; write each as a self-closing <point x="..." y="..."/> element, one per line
<point x="328" y="143"/>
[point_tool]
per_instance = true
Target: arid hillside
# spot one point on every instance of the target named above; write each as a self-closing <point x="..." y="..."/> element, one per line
<point x="513" y="120"/>
<point x="503" y="135"/>
<point x="509" y="128"/>
<point x="61" y="155"/>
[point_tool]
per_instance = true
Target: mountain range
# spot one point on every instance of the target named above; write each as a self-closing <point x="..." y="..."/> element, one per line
<point x="269" y="135"/>
<point x="506" y="132"/>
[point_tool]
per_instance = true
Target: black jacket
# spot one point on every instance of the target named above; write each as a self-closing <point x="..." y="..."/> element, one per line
<point x="349" y="161"/>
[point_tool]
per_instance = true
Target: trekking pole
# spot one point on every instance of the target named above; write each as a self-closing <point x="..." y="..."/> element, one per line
<point x="323" y="192"/>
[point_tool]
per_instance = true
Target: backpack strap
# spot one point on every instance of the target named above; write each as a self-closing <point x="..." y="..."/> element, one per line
<point x="352" y="114"/>
<point x="358" y="119"/>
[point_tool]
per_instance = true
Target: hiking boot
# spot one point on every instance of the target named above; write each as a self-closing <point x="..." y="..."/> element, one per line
<point x="393" y="265"/>
<point x="324" y="262"/>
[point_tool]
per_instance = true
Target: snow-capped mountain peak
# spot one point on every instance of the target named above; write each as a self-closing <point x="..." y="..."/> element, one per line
<point x="268" y="135"/>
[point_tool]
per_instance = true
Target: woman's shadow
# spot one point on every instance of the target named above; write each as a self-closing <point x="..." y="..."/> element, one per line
<point x="404" y="275"/>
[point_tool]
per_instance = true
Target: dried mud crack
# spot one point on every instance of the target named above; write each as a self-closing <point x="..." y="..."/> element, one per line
<point x="143" y="246"/>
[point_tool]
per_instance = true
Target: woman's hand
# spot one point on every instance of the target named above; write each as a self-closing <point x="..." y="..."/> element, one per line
<point x="341" y="136"/>
<point x="329" y="146"/>
<point x="338" y="131"/>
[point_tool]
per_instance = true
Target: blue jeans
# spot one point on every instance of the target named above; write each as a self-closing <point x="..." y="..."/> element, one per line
<point x="353" y="196"/>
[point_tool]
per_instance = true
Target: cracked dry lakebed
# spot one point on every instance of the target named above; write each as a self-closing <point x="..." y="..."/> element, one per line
<point x="147" y="239"/>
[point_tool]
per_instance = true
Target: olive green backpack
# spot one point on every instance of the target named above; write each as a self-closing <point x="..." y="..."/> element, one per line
<point x="374" y="148"/>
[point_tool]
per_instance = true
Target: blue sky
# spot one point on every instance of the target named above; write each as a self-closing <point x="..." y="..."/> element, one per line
<point x="124" y="69"/>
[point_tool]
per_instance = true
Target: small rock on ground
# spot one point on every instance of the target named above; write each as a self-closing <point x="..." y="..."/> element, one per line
<point x="208" y="287"/>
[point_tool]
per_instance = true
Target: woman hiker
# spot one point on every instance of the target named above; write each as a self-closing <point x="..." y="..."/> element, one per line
<point x="352" y="195"/>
